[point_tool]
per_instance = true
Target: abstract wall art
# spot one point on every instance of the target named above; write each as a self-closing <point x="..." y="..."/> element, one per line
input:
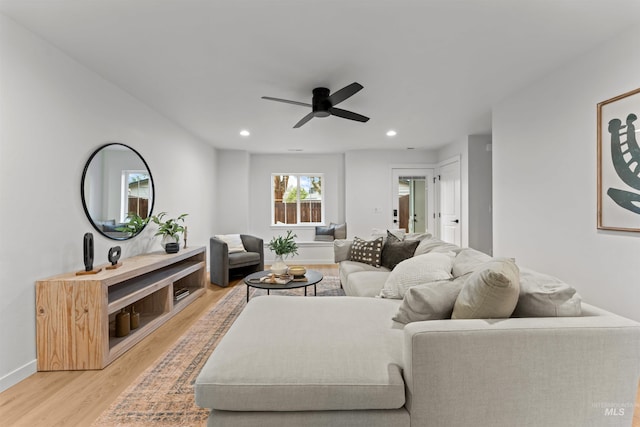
<point x="619" y="163"/>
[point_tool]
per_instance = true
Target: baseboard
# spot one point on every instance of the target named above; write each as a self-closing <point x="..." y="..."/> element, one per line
<point x="14" y="377"/>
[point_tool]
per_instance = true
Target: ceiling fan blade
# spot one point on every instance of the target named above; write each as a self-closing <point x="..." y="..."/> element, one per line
<point x="304" y="120"/>
<point x="344" y="93"/>
<point x="304" y="104"/>
<point x="348" y="114"/>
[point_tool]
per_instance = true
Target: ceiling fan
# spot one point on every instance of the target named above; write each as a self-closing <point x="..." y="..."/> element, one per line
<point x="323" y="104"/>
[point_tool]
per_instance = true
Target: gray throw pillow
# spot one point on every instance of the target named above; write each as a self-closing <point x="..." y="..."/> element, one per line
<point x="367" y="252"/>
<point x="339" y="230"/>
<point x="395" y="250"/>
<point x="324" y="234"/>
<point x="430" y="301"/>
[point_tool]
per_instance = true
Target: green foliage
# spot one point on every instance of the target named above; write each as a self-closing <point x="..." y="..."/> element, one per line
<point x="284" y="245"/>
<point x="291" y="196"/>
<point x="133" y="224"/>
<point x="170" y="227"/>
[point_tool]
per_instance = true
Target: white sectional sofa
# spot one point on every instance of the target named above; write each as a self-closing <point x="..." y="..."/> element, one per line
<point x="343" y="361"/>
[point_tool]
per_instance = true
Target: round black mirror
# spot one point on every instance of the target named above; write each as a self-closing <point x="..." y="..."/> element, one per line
<point x="117" y="191"/>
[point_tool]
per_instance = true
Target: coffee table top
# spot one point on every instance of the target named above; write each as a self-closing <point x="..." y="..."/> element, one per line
<point x="313" y="277"/>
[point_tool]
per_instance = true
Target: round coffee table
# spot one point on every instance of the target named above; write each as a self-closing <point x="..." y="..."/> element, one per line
<point x="312" y="276"/>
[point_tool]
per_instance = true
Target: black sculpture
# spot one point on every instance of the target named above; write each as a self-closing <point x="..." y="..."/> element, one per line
<point x="88" y="251"/>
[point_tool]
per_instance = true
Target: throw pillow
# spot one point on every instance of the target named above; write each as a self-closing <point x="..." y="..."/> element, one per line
<point x="467" y="261"/>
<point x="430" y="301"/>
<point x="395" y="250"/>
<point x="366" y="251"/>
<point x="490" y="292"/>
<point x="324" y="234"/>
<point x="233" y="241"/>
<point x="339" y="230"/>
<point x="381" y="232"/>
<point x="416" y="271"/>
<point x="546" y="296"/>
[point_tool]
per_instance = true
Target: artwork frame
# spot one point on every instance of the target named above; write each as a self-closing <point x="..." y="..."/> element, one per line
<point x="619" y="162"/>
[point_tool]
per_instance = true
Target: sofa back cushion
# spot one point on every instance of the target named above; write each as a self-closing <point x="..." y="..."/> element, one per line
<point x="416" y="271"/>
<point x="435" y="245"/>
<point x="467" y="261"/>
<point x="366" y="251"/>
<point x="490" y="292"/>
<point x="546" y="296"/>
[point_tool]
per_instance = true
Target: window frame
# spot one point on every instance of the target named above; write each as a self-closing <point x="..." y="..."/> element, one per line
<point x="298" y="224"/>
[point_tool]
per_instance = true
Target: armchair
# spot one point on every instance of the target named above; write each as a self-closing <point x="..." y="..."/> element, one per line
<point x="221" y="261"/>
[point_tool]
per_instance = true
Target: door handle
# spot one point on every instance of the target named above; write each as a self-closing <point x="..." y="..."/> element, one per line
<point x="456" y="221"/>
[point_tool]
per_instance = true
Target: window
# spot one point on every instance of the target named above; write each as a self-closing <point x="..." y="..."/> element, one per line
<point x="136" y="193"/>
<point x="297" y="199"/>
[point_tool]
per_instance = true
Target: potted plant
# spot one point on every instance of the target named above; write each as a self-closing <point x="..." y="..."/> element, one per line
<point x="169" y="229"/>
<point x="133" y="224"/>
<point x="282" y="246"/>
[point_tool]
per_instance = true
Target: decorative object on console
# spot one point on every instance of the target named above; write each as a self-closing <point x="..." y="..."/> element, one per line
<point x="618" y="163"/>
<point x="184" y="235"/>
<point x="114" y="256"/>
<point x="169" y="229"/>
<point x="172" y="247"/>
<point x="282" y="246"/>
<point x="123" y="323"/>
<point x="135" y="318"/>
<point x="87" y="249"/>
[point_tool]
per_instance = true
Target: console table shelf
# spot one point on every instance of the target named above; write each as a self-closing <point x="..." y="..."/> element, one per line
<point x="75" y="318"/>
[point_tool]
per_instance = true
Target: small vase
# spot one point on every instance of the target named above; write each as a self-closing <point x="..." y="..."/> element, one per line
<point x="279" y="267"/>
<point x="166" y="239"/>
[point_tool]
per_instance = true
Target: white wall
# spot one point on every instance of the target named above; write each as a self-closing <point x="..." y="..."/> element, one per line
<point x="55" y="113"/>
<point x="368" y="186"/>
<point x="232" y="203"/>
<point x="544" y="182"/>
<point x="480" y="198"/>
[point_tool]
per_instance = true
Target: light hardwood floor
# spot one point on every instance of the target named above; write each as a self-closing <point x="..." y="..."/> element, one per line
<point x="77" y="398"/>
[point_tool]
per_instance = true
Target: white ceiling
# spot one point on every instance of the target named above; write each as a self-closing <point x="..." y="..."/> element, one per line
<point x="431" y="69"/>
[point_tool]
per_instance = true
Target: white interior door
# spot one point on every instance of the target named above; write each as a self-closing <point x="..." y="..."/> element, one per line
<point x="413" y="200"/>
<point x="449" y="190"/>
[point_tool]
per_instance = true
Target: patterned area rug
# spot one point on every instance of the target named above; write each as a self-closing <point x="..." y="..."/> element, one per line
<point x="163" y="394"/>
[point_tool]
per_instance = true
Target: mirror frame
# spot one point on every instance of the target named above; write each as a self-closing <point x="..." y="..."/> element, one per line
<point x="82" y="195"/>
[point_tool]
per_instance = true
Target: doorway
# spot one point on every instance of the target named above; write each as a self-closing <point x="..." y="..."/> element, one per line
<point x="413" y="200"/>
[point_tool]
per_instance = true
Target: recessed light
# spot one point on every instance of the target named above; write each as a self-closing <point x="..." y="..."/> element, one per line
<point x="391" y="132"/>
<point x="411" y="148"/>
<point x="245" y="132"/>
<point x="295" y="149"/>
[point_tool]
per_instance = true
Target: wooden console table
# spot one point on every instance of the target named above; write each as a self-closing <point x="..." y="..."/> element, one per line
<point x="75" y="315"/>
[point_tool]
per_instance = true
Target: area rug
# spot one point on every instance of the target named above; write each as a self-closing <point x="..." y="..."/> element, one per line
<point x="163" y="394"/>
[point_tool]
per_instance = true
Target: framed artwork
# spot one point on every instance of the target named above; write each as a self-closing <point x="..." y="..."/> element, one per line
<point x="619" y="163"/>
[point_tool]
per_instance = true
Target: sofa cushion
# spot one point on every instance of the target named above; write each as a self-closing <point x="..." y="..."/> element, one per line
<point x="304" y="354"/>
<point x="233" y="241"/>
<point x="415" y="271"/>
<point x="546" y="296"/>
<point x="489" y="292"/>
<point x="395" y="250"/>
<point x="430" y="301"/>
<point x="467" y="261"/>
<point x="366" y="251"/>
<point x="365" y="283"/>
